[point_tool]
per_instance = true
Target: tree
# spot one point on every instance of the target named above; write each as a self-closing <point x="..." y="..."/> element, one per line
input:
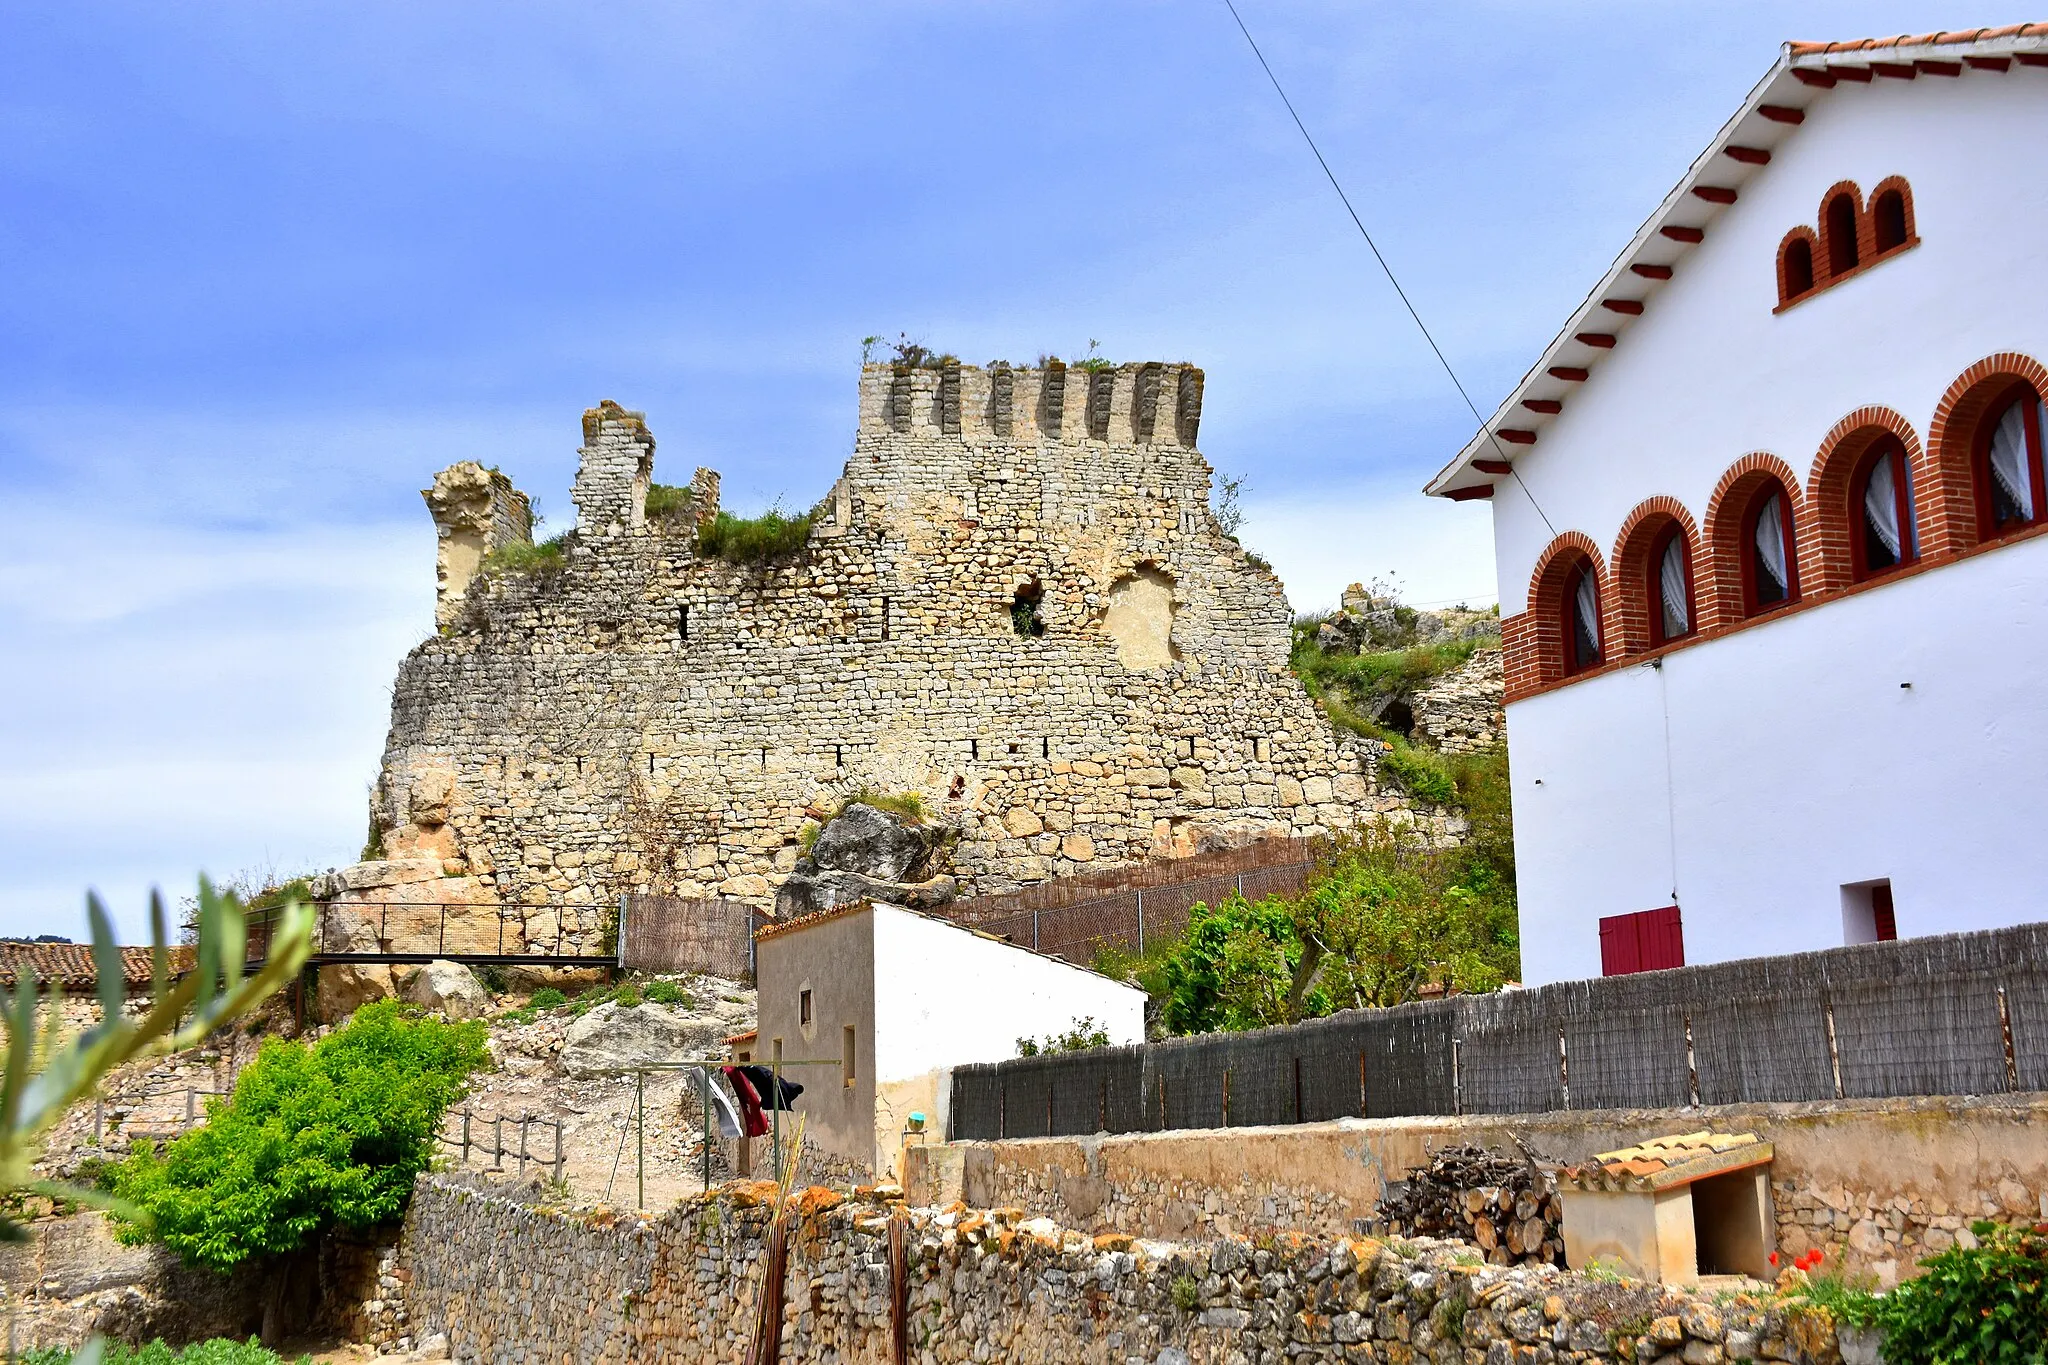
<point x="204" y="989"/>
<point x="313" y="1137"/>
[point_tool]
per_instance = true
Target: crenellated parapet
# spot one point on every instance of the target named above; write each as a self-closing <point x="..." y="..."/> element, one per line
<point x="476" y="510"/>
<point x="1136" y="404"/>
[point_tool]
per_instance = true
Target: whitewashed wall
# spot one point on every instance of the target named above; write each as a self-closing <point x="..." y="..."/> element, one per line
<point x="945" y="997"/>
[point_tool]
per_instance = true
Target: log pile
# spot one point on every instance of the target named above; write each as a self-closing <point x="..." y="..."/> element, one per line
<point x="1503" y="1205"/>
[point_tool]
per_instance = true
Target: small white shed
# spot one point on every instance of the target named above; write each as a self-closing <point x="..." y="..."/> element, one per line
<point x="902" y="998"/>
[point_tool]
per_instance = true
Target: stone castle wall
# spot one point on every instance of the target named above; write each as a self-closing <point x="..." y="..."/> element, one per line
<point x="646" y="718"/>
<point x="1461" y="713"/>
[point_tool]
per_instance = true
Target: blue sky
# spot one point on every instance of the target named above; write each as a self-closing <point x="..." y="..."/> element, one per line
<point x="267" y="267"/>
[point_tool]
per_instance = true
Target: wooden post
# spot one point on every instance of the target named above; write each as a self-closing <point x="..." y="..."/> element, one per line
<point x="558" y="1151"/>
<point x="498" y="1143"/>
<point x="524" y="1119"/>
<point x="640" y="1134"/>
<point x="465" y="1137"/>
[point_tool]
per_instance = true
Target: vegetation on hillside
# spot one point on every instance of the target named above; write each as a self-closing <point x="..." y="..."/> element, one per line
<point x="220" y="1351"/>
<point x="773" y="535"/>
<point x="668" y="502"/>
<point x="543" y="561"/>
<point x="312" y="1138"/>
<point x="1974" y="1305"/>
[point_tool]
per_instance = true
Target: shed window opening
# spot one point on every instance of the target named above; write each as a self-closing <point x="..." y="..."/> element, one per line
<point x="2013" y="462"/>
<point x="1770" y="559"/>
<point x="803" y="1008"/>
<point x="1582" y="620"/>
<point x="1671" y="587"/>
<point x="1887" y="510"/>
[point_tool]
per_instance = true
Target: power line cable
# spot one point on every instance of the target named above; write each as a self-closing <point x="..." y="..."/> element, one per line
<point x="1388" y="270"/>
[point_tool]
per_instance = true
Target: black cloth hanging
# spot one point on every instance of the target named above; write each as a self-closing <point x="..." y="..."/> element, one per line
<point x="764" y="1082"/>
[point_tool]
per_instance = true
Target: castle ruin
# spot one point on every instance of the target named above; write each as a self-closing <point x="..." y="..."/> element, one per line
<point x="1016" y="603"/>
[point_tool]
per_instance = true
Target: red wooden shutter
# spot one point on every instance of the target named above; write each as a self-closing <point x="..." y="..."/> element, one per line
<point x="1646" y="941"/>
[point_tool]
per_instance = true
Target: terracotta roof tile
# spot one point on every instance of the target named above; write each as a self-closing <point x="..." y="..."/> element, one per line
<point x="69" y="965"/>
<point x="1943" y="39"/>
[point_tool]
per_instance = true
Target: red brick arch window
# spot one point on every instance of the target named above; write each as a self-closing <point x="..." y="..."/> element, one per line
<point x="1658" y="598"/>
<point x="1864" y="496"/>
<point x="2007" y="463"/>
<point x="1769" y="550"/>
<point x="1956" y="505"/>
<point x="1567" y="609"/>
<point x="1796" y="276"/>
<point x="1579" y="627"/>
<point x="1881" y="537"/>
<point x="1839" y="219"/>
<point x="1849" y="236"/>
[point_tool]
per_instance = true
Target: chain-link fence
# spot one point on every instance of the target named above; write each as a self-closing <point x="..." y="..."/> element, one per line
<point x="1953" y="1015"/>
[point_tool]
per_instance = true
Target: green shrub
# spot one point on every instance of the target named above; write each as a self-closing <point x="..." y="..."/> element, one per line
<point x="313" y="1137"/>
<point x="547" y="998"/>
<point x="667" y="502"/>
<point x="666" y="993"/>
<point x="220" y="1351"/>
<point x="1187" y="1294"/>
<point x="627" y="995"/>
<point x="909" y="805"/>
<point x="754" y="540"/>
<point x="1987" y="1304"/>
<point x="543" y="561"/>
<point x="1082" y="1034"/>
<point x="1421" y="773"/>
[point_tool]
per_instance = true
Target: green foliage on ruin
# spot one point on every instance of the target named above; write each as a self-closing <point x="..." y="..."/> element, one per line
<point x="220" y="1351"/>
<point x="543" y="561"/>
<point x="773" y="535"/>
<point x="1079" y="1036"/>
<point x="1422" y="773"/>
<point x="909" y="805"/>
<point x="1379" y="920"/>
<point x="669" y="502"/>
<point x="312" y="1138"/>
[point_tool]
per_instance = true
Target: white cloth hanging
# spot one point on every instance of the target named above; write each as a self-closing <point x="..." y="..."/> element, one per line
<point x="1586" y="601"/>
<point x="2009" y="461"/>
<point x="1881" y="506"/>
<point x="1671" y="588"/>
<point x="1770" y="544"/>
<point x="724" y="1110"/>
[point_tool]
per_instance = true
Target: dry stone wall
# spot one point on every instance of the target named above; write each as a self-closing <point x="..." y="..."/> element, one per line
<point x="645" y="718"/>
<point x="1461" y="712"/>
<point x="511" y="1281"/>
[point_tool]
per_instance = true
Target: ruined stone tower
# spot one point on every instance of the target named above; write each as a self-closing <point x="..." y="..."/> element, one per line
<point x="1015" y="603"/>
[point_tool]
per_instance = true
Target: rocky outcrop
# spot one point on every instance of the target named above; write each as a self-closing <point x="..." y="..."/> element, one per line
<point x="1373" y="619"/>
<point x="865" y="853"/>
<point x="448" y="987"/>
<point x="615" y="1038"/>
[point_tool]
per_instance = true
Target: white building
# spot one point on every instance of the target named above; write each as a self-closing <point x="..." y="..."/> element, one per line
<point x="902" y="998"/>
<point x="1769" y="521"/>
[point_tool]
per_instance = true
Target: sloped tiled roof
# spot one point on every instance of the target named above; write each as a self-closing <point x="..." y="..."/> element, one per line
<point x="68" y="966"/>
<point x="1770" y="116"/>
<point x="1663" y="1162"/>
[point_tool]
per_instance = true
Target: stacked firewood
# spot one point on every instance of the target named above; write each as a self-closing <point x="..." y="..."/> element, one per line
<point x="1504" y="1205"/>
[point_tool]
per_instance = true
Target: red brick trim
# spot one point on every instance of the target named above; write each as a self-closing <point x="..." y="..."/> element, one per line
<point x="1888" y="185"/>
<point x="1825" y="266"/>
<point x="1925" y="563"/>
<point x="1717" y="582"/>
<point x="1630" y="603"/>
<point x="1951" y="442"/>
<point x="1788" y="289"/>
<point x="1535" y="651"/>
<point x="1826" y="559"/>
<point x="1825" y="276"/>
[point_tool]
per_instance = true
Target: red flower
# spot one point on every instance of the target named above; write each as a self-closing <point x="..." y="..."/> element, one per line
<point x="1774" y="1258"/>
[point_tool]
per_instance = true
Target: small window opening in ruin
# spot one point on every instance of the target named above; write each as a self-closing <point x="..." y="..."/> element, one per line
<point x="885" y="618"/>
<point x="838" y="756"/>
<point x="974" y="749"/>
<point x="764" y="760"/>
<point x="958" y="789"/>
<point x="1045" y="748"/>
<point x="650" y="765"/>
<point x="1013" y="748"/>
<point x="1024" y="610"/>
<point x="846" y="1055"/>
<point x="683" y="621"/>
<point x="803" y="1008"/>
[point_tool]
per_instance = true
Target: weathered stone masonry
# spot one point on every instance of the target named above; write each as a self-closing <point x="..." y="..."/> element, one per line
<point x="647" y="718"/>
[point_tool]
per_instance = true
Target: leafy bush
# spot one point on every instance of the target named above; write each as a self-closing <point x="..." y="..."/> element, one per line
<point x="220" y="1351"/>
<point x="666" y="993"/>
<point x="1378" y="921"/>
<point x="627" y="995"/>
<point x="1421" y="773"/>
<point x="754" y="540"/>
<point x="312" y="1137"/>
<point x="543" y="561"/>
<point x="1985" y="1305"/>
<point x="1081" y="1035"/>
<point x="547" y="998"/>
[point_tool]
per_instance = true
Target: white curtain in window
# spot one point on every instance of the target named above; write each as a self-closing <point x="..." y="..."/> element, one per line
<point x="1881" y="506"/>
<point x="1671" y="588"/>
<point x="1770" y="541"/>
<point x="2009" y="462"/>
<point x="1586" y="601"/>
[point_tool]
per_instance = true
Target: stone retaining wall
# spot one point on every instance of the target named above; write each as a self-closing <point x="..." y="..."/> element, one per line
<point x="513" y="1281"/>
<point x="1876" y="1184"/>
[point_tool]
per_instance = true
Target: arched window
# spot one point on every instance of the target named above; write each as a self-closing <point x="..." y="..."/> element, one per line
<point x="1670" y="586"/>
<point x="1881" y="510"/>
<point x="1839" y="222"/>
<point x="2010" y="494"/>
<point x="1580" y="628"/>
<point x="1888" y="218"/>
<point x="1798" y="268"/>
<point x="1770" y="574"/>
